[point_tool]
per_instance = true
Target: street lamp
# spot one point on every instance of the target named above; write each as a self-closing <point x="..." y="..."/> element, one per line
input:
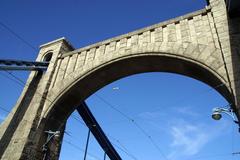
<point x="50" y="136"/>
<point x="217" y="114"/>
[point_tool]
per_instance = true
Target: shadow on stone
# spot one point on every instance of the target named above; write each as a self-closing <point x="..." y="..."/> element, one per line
<point x="234" y="33"/>
<point x="19" y="114"/>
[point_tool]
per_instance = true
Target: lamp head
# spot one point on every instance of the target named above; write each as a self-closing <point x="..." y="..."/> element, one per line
<point x="57" y="134"/>
<point x="216" y="115"/>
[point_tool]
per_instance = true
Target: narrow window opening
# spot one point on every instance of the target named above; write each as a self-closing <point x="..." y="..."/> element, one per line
<point x="47" y="57"/>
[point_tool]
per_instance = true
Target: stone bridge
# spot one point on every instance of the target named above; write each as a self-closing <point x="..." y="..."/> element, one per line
<point x="203" y="45"/>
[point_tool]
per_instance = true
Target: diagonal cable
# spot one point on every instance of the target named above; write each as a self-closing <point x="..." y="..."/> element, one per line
<point x="135" y="123"/>
<point x="18" y="36"/>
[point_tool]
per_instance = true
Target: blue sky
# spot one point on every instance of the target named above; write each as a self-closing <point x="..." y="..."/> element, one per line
<point x="173" y="109"/>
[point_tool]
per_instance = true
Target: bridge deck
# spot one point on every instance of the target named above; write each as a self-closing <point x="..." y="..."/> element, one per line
<point x="22" y="65"/>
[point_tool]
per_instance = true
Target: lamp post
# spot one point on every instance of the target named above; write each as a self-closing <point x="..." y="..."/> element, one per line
<point x="50" y="136"/>
<point x="217" y="114"/>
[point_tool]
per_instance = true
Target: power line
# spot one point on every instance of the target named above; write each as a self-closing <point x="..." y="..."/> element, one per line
<point x="18" y="36"/>
<point x="114" y="108"/>
<point x="10" y="78"/>
<point x="80" y="149"/>
<point x="125" y="150"/>
<point x="77" y="147"/>
<point x="15" y="77"/>
<point x="135" y="123"/>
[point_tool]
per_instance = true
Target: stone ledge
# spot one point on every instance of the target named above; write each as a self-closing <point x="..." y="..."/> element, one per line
<point x="63" y="39"/>
<point x="140" y="31"/>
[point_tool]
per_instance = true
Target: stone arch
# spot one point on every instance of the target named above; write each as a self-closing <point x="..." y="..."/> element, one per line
<point x="199" y="45"/>
<point x="47" y="56"/>
<point x="202" y="62"/>
<point x="77" y="86"/>
<point x="197" y="61"/>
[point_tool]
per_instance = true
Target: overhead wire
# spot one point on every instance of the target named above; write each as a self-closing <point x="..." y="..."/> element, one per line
<point x="18" y="36"/>
<point x="10" y="78"/>
<point x="124" y="149"/>
<point x="80" y="149"/>
<point x="15" y="77"/>
<point x="126" y="152"/>
<point x="135" y="123"/>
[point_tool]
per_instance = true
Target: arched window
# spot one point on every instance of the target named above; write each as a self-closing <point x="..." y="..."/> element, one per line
<point x="47" y="57"/>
